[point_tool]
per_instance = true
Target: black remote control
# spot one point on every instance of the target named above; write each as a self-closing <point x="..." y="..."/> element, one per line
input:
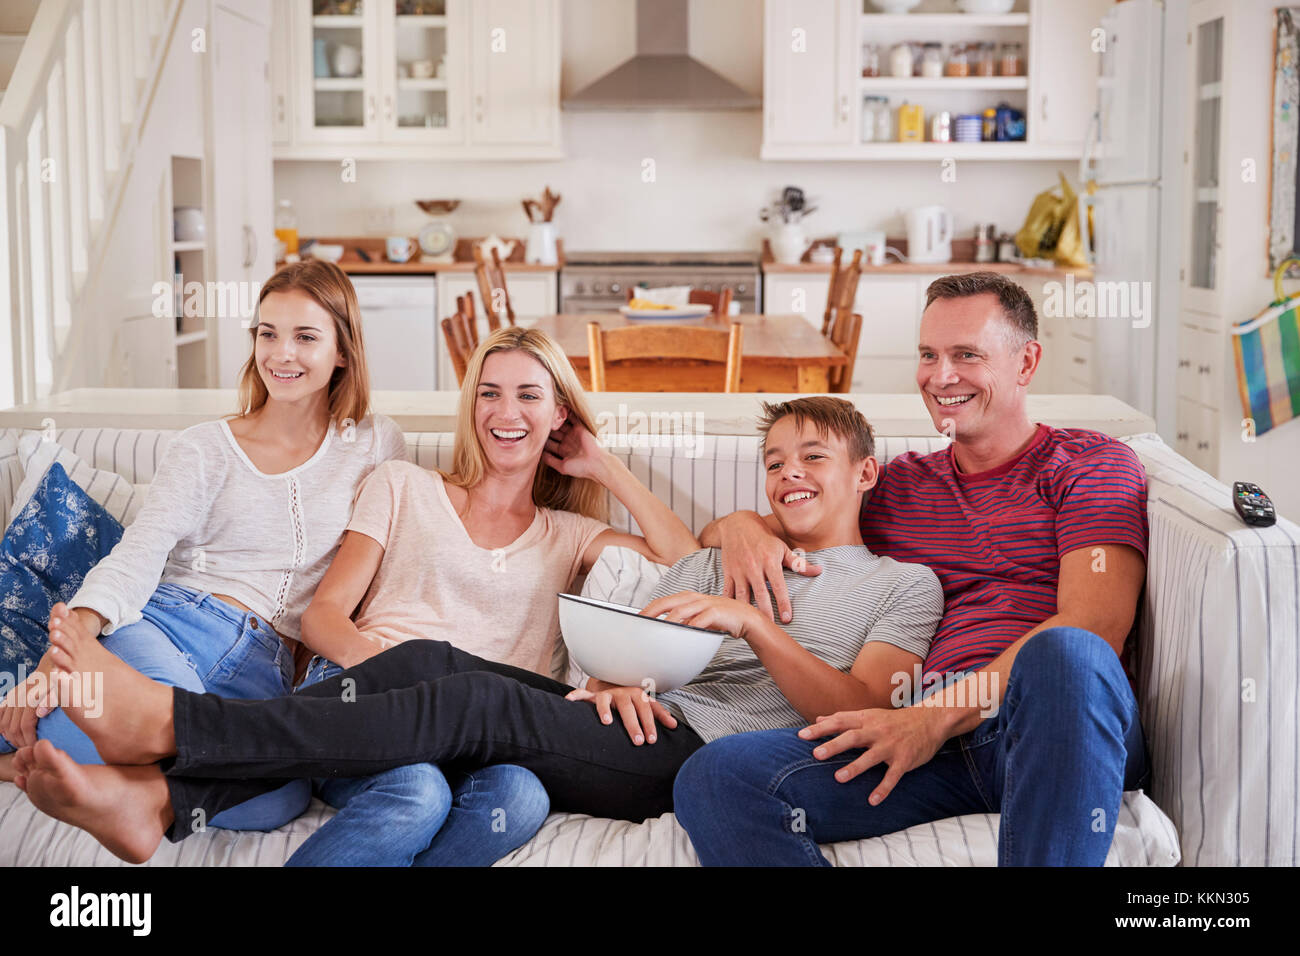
<point x="1254" y="507"/>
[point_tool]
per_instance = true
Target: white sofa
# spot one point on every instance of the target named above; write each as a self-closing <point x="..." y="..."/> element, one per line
<point x="1218" y="665"/>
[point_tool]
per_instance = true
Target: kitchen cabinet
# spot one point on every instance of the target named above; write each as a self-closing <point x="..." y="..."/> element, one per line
<point x="532" y="294"/>
<point x="814" y="89"/>
<point x="809" y="74"/>
<point x="473" y="81"/>
<point x="282" y="29"/>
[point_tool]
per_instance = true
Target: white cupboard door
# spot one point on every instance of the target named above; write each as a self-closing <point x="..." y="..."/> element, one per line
<point x="337" y="63"/>
<point x="810" y="72"/>
<point x="282" y="67"/>
<point x="514" y="47"/>
<point x="415" y="108"/>
<point x="890" y="317"/>
<point x="797" y="294"/>
<point x="1063" y="69"/>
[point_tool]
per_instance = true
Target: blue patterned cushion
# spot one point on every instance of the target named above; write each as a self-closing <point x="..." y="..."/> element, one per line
<point x="59" y="535"/>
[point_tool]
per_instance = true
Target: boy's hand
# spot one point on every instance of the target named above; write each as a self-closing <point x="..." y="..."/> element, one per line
<point x="753" y="558"/>
<point x="904" y="739"/>
<point x="706" y="610"/>
<point x="637" y="708"/>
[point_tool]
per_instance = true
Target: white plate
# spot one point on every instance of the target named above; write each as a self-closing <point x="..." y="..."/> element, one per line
<point x="677" y="313"/>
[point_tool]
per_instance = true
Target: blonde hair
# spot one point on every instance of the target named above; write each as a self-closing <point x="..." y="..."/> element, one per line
<point x="329" y="287"/>
<point x="550" y="488"/>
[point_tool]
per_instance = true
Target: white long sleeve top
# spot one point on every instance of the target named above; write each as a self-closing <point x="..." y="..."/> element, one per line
<point x="214" y="522"/>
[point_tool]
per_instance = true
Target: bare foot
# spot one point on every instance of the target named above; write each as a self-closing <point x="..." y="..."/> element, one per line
<point x="126" y="715"/>
<point x="127" y="809"/>
<point x="7" y="768"/>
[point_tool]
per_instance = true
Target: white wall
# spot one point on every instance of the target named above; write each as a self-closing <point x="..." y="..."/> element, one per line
<point x="709" y="181"/>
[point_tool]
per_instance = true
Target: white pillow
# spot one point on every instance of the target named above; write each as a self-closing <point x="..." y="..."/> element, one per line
<point x="119" y="497"/>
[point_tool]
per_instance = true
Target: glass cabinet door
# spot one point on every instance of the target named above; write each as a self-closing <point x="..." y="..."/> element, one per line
<point x="1207" y="93"/>
<point x="341" y="55"/>
<point x="422" y="101"/>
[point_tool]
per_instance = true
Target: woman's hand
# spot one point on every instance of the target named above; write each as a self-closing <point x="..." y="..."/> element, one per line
<point x="637" y="708"/>
<point x="21" y="707"/>
<point x="572" y="450"/>
<point x="706" y="610"/>
<point x="904" y="739"/>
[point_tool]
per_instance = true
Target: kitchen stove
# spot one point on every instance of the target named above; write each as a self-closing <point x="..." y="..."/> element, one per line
<point x="598" y="281"/>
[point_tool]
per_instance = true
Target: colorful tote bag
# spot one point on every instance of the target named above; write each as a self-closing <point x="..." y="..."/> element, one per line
<point x="1267" y="352"/>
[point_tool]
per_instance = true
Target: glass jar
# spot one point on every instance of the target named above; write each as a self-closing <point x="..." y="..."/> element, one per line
<point x="932" y="60"/>
<point x="958" y="60"/>
<point x="868" y="119"/>
<point x="1011" y="61"/>
<point x="870" y="59"/>
<point x="982" y="57"/>
<point x="286" y="226"/>
<point x="900" y="60"/>
<point x="884" y="120"/>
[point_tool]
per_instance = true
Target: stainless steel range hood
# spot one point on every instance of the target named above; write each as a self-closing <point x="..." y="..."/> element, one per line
<point x="662" y="75"/>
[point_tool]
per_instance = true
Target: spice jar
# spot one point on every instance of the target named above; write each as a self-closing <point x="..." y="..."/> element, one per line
<point x="982" y="56"/>
<point x="870" y="59"/>
<point x="932" y="60"/>
<point x="900" y="60"/>
<point x="1011" y="60"/>
<point x="958" y="63"/>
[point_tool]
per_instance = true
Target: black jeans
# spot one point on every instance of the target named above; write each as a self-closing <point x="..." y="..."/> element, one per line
<point x="420" y="702"/>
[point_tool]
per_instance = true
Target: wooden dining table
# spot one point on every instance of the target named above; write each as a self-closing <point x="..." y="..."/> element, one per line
<point x="780" y="353"/>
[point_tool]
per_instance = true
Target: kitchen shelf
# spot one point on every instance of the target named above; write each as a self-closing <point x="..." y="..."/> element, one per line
<point x="412" y="83"/>
<point x="946" y="19"/>
<point x="324" y="84"/>
<point x="421" y="20"/>
<point x="869" y="83"/>
<point x="338" y="21"/>
<point x="937" y="152"/>
<point x="193" y="245"/>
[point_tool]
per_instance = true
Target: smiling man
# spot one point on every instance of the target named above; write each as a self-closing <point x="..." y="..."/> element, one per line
<point x="1038" y="536"/>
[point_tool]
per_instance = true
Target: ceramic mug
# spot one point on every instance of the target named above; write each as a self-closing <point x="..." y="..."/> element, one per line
<point x="398" y="248"/>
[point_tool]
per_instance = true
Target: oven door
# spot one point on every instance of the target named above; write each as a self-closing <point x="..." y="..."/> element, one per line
<point x="591" y="304"/>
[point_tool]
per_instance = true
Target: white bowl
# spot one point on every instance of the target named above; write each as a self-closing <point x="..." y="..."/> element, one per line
<point x="986" y="7"/>
<point x="894" y="6"/>
<point x="614" y="643"/>
<point x="330" y="253"/>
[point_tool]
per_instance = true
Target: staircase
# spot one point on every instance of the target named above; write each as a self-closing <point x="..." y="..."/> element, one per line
<point x="78" y="78"/>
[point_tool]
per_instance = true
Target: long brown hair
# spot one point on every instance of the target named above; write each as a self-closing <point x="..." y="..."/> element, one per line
<point x="329" y="287"/>
<point x="550" y="488"/>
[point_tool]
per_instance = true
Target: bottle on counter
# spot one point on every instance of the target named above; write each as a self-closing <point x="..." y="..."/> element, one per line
<point x="286" y="226"/>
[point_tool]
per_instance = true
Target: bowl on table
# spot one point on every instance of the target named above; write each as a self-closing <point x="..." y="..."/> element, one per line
<point x="615" y="643"/>
<point x="692" y="312"/>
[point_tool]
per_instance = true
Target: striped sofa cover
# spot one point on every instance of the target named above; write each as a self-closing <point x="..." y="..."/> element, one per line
<point x="1218" y="674"/>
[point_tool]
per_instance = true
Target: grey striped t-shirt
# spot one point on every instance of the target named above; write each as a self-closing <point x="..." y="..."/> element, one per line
<point x="858" y="597"/>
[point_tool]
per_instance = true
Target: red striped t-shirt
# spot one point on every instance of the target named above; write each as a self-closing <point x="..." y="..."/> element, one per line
<point x="995" y="539"/>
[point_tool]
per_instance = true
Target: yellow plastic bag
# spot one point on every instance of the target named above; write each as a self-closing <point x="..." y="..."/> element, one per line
<point x="1051" y="229"/>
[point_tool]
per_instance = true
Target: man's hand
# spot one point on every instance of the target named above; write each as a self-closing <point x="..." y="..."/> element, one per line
<point x="637" y="708"/>
<point x="903" y="739"/>
<point x="752" y="558"/>
<point x="21" y="707"/>
<point x="706" y="610"/>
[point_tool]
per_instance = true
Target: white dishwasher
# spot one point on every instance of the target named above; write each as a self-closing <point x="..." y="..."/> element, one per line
<point x="399" y="319"/>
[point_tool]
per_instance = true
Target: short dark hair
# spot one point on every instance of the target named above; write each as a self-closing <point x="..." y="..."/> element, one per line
<point x="1017" y="306"/>
<point x="834" y="416"/>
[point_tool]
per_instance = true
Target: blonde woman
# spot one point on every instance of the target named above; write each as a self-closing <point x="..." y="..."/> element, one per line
<point x="207" y="586"/>
<point x="472" y="559"/>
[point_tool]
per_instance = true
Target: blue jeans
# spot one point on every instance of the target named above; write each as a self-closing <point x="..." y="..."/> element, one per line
<point x="190" y="639"/>
<point x="1054" y="762"/>
<point x="417" y="816"/>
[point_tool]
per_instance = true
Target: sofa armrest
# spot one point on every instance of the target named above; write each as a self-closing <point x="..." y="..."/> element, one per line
<point x="1218" y="669"/>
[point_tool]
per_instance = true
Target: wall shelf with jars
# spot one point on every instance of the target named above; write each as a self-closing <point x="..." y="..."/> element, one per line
<point x="932" y="83"/>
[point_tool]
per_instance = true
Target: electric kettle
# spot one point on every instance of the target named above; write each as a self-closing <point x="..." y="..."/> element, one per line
<point x="929" y="234"/>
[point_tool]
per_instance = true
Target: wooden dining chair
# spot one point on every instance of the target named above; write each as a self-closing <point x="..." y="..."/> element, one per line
<point x="719" y="301"/>
<point x="460" y="345"/>
<point x="663" y="343"/>
<point x="492" y="287"/>
<point x="844" y="335"/>
<point x="465" y="306"/>
<point x="843" y="288"/>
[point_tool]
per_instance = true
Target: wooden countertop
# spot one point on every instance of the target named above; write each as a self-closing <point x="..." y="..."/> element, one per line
<point x="923" y="268"/>
<point x="462" y="261"/>
<point x="416" y="411"/>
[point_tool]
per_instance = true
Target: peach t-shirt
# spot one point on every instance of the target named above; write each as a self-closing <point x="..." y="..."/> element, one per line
<point x="435" y="582"/>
